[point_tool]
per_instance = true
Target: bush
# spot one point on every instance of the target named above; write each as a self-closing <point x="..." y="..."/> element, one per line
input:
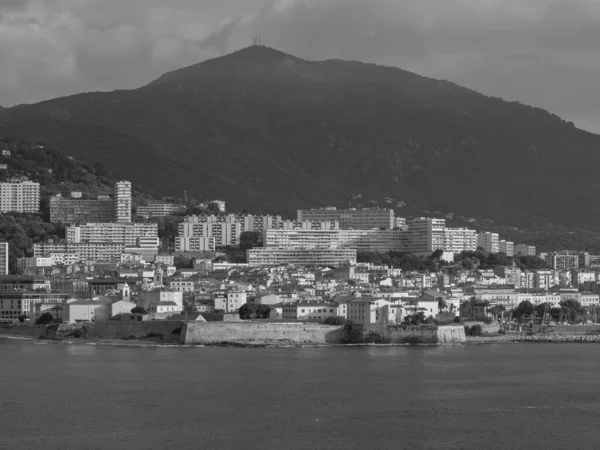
<point x="335" y="321"/>
<point x="138" y="310"/>
<point x="476" y="330"/>
<point x="457" y="320"/>
<point x="44" y="319"/>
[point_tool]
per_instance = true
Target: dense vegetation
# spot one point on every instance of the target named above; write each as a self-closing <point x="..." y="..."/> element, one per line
<point x="479" y="259"/>
<point x="402" y="260"/>
<point x="274" y="133"/>
<point x="21" y="231"/>
<point x="483" y="260"/>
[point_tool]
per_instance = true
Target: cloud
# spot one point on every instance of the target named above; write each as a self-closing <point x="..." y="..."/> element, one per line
<point x="541" y="52"/>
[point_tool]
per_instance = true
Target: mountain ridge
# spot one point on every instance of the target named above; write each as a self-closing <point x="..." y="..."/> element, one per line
<point x="271" y="132"/>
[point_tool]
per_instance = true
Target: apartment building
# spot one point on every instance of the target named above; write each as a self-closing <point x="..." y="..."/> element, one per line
<point x="224" y="233"/>
<point x="506" y="247"/>
<point x="181" y="285"/>
<point x="20" y="303"/>
<point x="20" y="282"/>
<point x="195" y="244"/>
<point x="301" y="257"/>
<point x="122" y="202"/>
<point x="159" y="210"/>
<point x="87" y="251"/>
<point x="74" y="211"/>
<point x="21" y="196"/>
<point x="458" y="240"/>
<point x="75" y="288"/>
<point x="70" y="211"/>
<point x="357" y="219"/>
<point x="424" y="236"/>
<point x="563" y="260"/>
<point x="295" y="225"/>
<point x="4" y="258"/>
<point x="374" y="240"/>
<point x="129" y="234"/>
<point x="525" y="250"/>
<point x="309" y="311"/>
<point x="489" y="241"/>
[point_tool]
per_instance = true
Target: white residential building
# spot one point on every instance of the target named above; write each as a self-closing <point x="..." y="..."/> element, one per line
<point x="161" y="295"/>
<point x="195" y="244"/>
<point x="129" y="234"/>
<point x="20" y="196"/>
<point x="375" y="240"/>
<point x="4" y="256"/>
<point x="424" y="236"/>
<point x="458" y="240"/>
<point x="309" y="311"/>
<point x="122" y="201"/>
<point x="301" y="257"/>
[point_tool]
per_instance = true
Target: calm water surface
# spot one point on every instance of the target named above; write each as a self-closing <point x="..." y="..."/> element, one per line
<point x="517" y="396"/>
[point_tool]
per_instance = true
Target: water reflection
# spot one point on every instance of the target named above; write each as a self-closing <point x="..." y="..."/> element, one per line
<point x="81" y="350"/>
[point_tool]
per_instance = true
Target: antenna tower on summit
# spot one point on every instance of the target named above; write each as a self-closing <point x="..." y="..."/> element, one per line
<point x="257" y="40"/>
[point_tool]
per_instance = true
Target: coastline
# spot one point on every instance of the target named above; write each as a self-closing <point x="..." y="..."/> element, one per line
<point x="536" y="338"/>
<point x="555" y="338"/>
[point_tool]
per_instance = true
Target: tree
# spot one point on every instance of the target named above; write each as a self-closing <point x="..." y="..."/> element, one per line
<point x="139" y="310"/>
<point x="543" y="311"/>
<point x="45" y="319"/>
<point x="437" y="254"/>
<point x="213" y="208"/>
<point x="442" y="304"/>
<point x="556" y="314"/>
<point x="338" y="320"/>
<point x="22" y="318"/>
<point x="248" y="311"/>
<point x="263" y="312"/>
<point x="523" y="311"/>
<point x="249" y="240"/>
<point x="497" y="310"/>
<point x="571" y="309"/>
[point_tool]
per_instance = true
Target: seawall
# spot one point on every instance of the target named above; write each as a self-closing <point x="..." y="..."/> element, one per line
<point x="406" y="334"/>
<point x="164" y="330"/>
<point x="569" y="329"/>
<point x="253" y="333"/>
<point x="29" y="331"/>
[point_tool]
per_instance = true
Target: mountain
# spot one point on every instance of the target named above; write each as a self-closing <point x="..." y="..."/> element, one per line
<point x="269" y="132"/>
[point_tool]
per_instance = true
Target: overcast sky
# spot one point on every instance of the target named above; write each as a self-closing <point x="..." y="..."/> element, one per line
<point x="541" y="52"/>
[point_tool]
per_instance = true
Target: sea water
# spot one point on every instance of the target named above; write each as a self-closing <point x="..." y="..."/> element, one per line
<point x="523" y="396"/>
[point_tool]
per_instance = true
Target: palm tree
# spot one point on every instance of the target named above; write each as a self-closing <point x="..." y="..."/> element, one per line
<point x="56" y="308"/>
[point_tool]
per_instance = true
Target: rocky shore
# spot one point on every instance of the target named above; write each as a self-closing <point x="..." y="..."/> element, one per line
<point x="542" y="338"/>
